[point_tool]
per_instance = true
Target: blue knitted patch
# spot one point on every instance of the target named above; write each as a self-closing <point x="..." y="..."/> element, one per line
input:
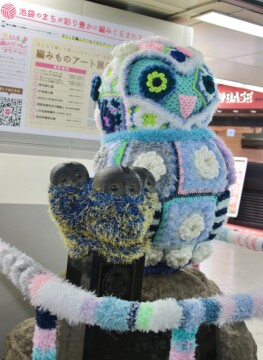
<point x="178" y="55"/>
<point x="131" y="319"/>
<point x="45" y="320"/>
<point x="160" y="268"/>
<point x="112" y="314"/>
<point x="112" y="114"/>
<point x="212" y="309"/>
<point x="244" y="307"/>
<point x="176" y="211"/>
<point x="193" y="313"/>
<point x="95" y="84"/>
<point x="192" y="180"/>
<point x="159" y="135"/>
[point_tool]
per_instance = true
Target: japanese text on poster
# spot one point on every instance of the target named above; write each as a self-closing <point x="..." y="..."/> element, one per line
<point x="48" y="59"/>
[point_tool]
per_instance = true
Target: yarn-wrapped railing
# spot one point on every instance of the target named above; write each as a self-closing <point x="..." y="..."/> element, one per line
<point x="247" y="240"/>
<point x="54" y="296"/>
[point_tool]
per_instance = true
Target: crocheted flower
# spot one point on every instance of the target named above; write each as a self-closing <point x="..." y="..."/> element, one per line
<point x="178" y="257"/>
<point x="124" y="49"/>
<point x="192" y="227"/>
<point x="201" y="252"/>
<point x="152" y="162"/>
<point x="156" y="81"/>
<point x="206" y="163"/>
<point x="153" y="256"/>
<point x="149" y="119"/>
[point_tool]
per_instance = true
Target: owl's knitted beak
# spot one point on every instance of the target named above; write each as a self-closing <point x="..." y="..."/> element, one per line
<point x="187" y="104"/>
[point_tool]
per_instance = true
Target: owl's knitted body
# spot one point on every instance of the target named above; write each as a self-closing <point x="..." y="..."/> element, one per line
<point x="155" y="101"/>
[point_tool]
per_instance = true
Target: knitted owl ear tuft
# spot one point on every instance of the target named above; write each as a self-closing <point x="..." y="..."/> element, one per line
<point x="95" y="85"/>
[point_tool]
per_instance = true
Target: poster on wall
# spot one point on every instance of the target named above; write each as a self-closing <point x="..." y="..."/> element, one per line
<point x="236" y="189"/>
<point x="48" y="59"/>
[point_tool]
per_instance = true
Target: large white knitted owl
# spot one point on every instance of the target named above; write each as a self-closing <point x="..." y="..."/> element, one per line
<point x="154" y="103"/>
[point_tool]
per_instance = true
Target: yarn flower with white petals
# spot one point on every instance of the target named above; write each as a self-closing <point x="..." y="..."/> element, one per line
<point x="192" y="227"/>
<point x="206" y="163"/>
<point x="201" y="252"/>
<point x="153" y="256"/>
<point x="178" y="257"/>
<point x="152" y="162"/>
<point x="124" y="49"/>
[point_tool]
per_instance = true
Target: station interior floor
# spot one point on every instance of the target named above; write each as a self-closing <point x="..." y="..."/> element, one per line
<point x="237" y="270"/>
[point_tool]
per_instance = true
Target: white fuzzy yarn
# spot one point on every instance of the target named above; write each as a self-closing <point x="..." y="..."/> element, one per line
<point x="63" y="299"/>
<point x="192" y="227"/>
<point x="202" y="252"/>
<point x="153" y="256"/>
<point x="125" y="49"/>
<point x="152" y="162"/>
<point x="166" y="314"/>
<point x="178" y="257"/>
<point x="206" y="163"/>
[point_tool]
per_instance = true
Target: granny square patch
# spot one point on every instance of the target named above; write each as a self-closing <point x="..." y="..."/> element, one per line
<point x="112" y="113"/>
<point x="202" y="168"/>
<point x="162" y="162"/>
<point x="186" y="221"/>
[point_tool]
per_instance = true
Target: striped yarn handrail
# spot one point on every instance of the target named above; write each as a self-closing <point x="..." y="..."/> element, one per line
<point x="50" y="293"/>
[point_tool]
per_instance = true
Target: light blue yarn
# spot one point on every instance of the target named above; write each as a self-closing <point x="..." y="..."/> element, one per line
<point x="159" y="135"/>
<point x="39" y="354"/>
<point x="112" y="314"/>
<point x="222" y="235"/>
<point x="193" y="313"/>
<point x="244" y="307"/>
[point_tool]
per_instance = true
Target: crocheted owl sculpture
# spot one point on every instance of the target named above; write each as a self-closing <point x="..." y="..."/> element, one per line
<point x="154" y="103"/>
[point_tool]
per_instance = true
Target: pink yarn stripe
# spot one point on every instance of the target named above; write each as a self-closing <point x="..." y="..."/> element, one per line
<point x="248" y="241"/>
<point x="37" y="282"/>
<point x="180" y="355"/>
<point x="44" y="339"/>
<point x="254" y="244"/>
<point x="88" y="309"/>
<point x="239" y="238"/>
<point x="185" y="51"/>
<point x="151" y="46"/>
<point x="227" y="309"/>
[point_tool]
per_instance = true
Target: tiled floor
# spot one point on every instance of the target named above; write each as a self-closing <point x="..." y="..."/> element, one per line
<point x="234" y="270"/>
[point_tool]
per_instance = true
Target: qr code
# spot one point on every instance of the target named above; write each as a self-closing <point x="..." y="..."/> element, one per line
<point x="10" y="111"/>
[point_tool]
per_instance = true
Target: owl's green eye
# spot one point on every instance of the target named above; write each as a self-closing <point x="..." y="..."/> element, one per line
<point x="156" y="81"/>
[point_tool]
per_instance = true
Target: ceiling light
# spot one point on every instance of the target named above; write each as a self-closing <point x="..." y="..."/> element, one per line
<point x="239" y="85"/>
<point x="230" y="22"/>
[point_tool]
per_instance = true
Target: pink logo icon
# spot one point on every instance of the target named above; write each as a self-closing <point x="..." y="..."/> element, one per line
<point x="8" y="111"/>
<point x="8" y="11"/>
